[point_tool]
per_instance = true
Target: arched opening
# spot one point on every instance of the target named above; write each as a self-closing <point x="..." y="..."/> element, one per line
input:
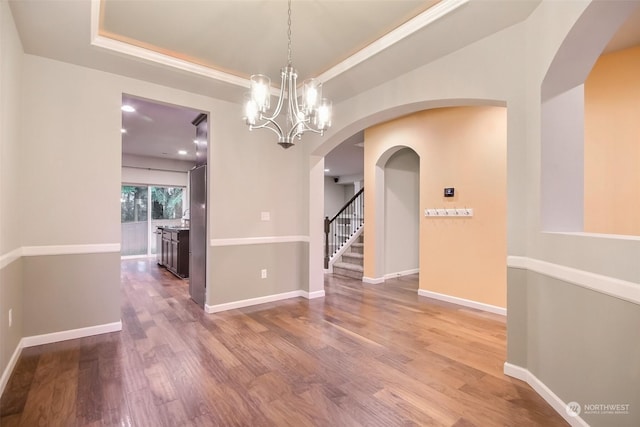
<point x="401" y="195"/>
<point x="566" y="188"/>
<point x="460" y="147"/>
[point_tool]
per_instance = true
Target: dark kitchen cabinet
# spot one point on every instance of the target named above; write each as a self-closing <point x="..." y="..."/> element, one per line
<point x="175" y="250"/>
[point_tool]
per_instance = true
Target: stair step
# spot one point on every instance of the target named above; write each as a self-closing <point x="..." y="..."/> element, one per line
<point x="348" y="270"/>
<point x="347" y="266"/>
<point x="353" y="258"/>
<point x="353" y="255"/>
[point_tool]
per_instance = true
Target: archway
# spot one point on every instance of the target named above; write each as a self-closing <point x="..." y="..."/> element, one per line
<point x="463" y="145"/>
<point x="399" y="219"/>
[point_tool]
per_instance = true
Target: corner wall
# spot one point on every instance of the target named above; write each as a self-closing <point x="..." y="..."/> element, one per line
<point x="11" y="280"/>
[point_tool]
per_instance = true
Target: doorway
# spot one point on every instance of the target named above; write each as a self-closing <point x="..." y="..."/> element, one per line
<point x="162" y="146"/>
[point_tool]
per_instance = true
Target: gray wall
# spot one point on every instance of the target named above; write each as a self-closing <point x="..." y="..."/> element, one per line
<point x="583" y="344"/>
<point x="64" y="292"/>
<point x="335" y="196"/>
<point x="237" y="271"/>
<point x="10" y="195"/>
<point x="402" y="212"/>
<point x="10" y="298"/>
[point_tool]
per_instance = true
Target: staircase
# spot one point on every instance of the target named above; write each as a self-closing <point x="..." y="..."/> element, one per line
<point x="351" y="261"/>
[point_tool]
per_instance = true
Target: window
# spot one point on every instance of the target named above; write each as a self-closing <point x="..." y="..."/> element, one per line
<point x="139" y="223"/>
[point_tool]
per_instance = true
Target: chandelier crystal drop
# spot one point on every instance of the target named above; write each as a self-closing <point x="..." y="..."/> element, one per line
<point x="308" y="113"/>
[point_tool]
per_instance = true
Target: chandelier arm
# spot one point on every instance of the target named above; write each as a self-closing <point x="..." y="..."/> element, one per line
<point x="276" y="112"/>
<point x="306" y="128"/>
<point x="274" y="128"/>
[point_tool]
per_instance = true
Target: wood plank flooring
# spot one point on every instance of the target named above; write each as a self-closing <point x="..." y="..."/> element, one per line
<point x="365" y="355"/>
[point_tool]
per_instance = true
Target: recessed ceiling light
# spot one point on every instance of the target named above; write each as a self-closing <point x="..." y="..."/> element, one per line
<point x="123" y="130"/>
<point x="195" y="141"/>
<point x="127" y="109"/>
<point x="182" y="152"/>
<point x="327" y="170"/>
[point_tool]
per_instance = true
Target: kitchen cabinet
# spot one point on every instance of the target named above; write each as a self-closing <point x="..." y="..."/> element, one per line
<point x="174" y="249"/>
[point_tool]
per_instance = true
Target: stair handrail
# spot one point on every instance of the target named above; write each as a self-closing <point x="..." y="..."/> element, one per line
<point x="333" y="242"/>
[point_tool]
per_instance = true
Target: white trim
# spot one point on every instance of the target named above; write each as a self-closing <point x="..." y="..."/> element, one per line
<point x="545" y="392"/>
<point x="125" y="257"/>
<point x="595" y="235"/>
<point x="159" y="58"/>
<point x="51" y="338"/>
<point x="408" y="28"/>
<point x="8" y="258"/>
<point x="255" y="301"/>
<point x="401" y="273"/>
<point x="71" y="334"/>
<point x="464" y="302"/>
<point x="70" y="249"/>
<point x="405" y="30"/>
<point x="313" y="295"/>
<point x="98" y="248"/>
<point x="239" y="241"/>
<point x="373" y="280"/>
<point x="628" y="291"/>
<point x="344" y="248"/>
<point x="10" y="366"/>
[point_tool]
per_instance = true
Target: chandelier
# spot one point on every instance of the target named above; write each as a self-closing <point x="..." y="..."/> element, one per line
<point x="308" y="113"/>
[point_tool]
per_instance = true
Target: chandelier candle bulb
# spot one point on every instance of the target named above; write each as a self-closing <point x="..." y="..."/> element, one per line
<point x="250" y="110"/>
<point x="312" y="89"/>
<point x="323" y="118"/>
<point x="260" y="91"/>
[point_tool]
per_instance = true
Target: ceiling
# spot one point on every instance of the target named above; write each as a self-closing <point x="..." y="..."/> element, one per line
<point x="210" y="47"/>
<point x="156" y="129"/>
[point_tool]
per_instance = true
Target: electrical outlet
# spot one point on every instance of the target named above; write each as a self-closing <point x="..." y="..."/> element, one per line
<point x="10" y="317"/>
<point x="263" y="273"/>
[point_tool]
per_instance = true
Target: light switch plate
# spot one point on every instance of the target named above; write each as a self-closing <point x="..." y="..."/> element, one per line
<point x="265" y="216"/>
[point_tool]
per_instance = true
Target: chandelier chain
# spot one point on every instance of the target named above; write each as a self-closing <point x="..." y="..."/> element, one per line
<point x="289" y="34"/>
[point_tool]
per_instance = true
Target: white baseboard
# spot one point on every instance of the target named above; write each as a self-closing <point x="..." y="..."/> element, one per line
<point x="9" y="369"/>
<point x="313" y="295"/>
<point x="373" y="281"/>
<point x="545" y="392"/>
<point x="71" y="334"/>
<point x="465" y="302"/>
<point x="51" y="338"/>
<point x="253" y="301"/>
<point x="401" y="273"/>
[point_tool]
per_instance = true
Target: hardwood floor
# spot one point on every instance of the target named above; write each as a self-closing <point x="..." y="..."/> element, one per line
<point x="365" y="355"/>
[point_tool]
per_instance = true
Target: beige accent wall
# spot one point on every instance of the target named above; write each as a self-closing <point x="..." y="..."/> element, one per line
<point x="464" y="148"/>
<point x="612" y="144"/>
